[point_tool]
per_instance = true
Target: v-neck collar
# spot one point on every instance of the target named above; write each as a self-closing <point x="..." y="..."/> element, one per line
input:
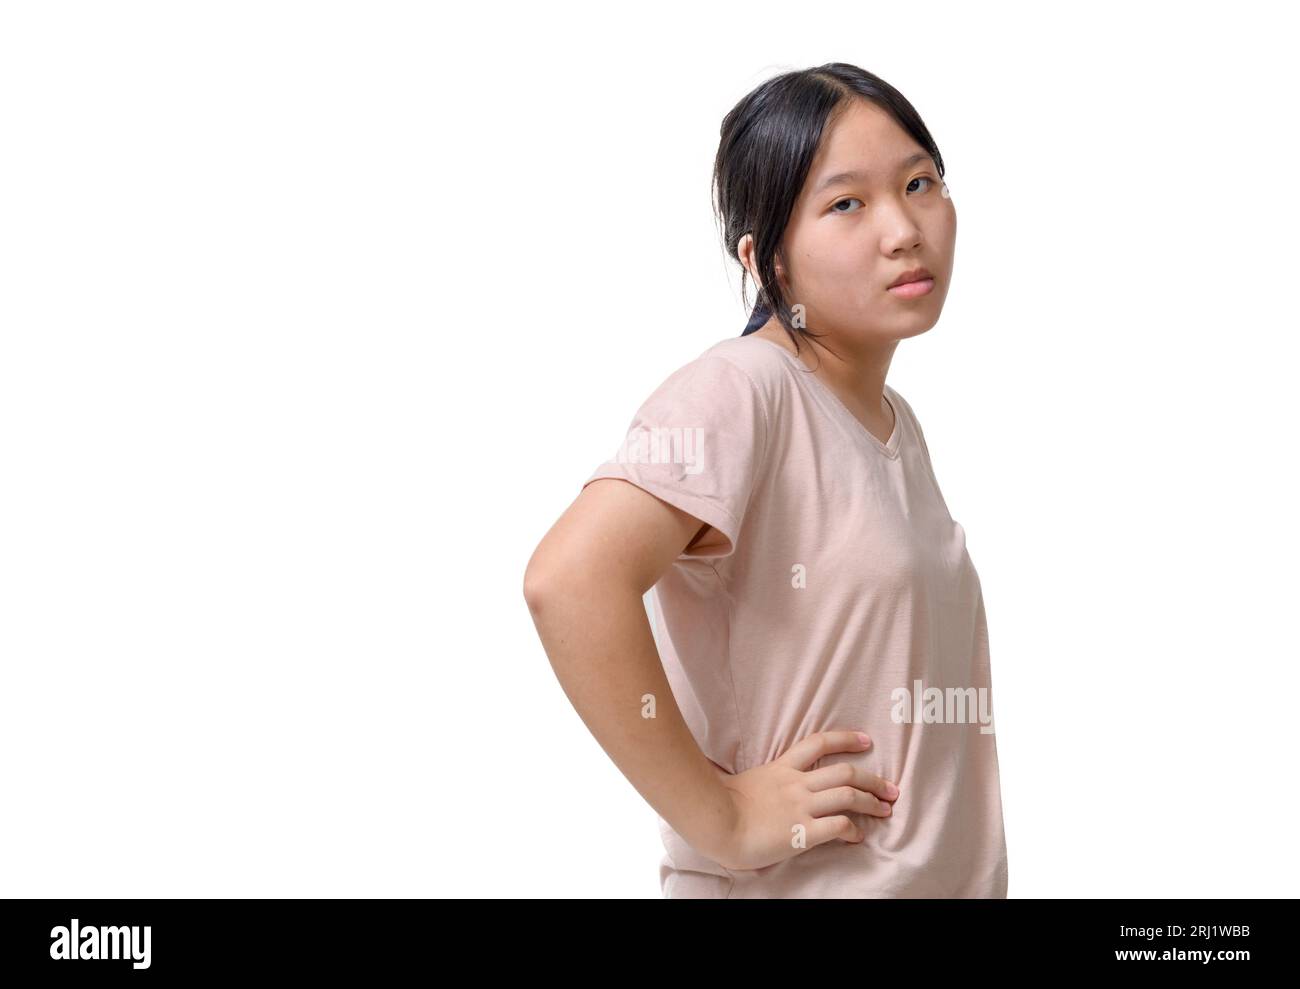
<point x="889" y="448"/>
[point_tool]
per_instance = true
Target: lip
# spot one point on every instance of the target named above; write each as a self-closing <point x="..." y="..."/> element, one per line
<point x="911" y="275"/>
<point x="913" y="290"/>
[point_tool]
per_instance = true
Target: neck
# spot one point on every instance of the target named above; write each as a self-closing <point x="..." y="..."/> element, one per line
<point x="855" y="373"/>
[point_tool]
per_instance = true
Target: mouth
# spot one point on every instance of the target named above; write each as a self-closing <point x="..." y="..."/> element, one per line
<point x="912" y="284"/>
<point x="910" y="276"/>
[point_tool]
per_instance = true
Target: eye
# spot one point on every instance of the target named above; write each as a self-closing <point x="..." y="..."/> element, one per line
<point x="923" y="178"/>
<point x="851" y="199"/>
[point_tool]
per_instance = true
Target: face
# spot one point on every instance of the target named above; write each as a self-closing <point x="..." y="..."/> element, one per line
<point x="872" y="208"/>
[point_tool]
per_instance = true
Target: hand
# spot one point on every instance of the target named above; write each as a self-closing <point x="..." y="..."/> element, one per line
<point x="769" y="800"/>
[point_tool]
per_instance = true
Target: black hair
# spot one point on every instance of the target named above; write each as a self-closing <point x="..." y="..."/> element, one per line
<point x="768" y="143"/>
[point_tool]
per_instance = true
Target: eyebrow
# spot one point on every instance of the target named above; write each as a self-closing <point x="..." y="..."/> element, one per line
<point x="853" y="176"/>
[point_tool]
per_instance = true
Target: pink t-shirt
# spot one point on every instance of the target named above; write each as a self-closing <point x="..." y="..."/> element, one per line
<point x="844" y="598"/>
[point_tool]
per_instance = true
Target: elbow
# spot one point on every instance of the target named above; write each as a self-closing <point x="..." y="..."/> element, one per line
<point x="534" y="588"/>
<point x="539" y="582"/>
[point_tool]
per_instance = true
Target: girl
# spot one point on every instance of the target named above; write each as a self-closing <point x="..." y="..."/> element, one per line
<point x="811" y="714"/>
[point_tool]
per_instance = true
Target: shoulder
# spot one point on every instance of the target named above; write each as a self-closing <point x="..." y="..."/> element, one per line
<point x="764" y="364"/>
<point x="733" y="388"/>
<point x="899" y="401"/>
<point x="893" y="394"/>
<point x="729" y="388"/>
<point x="904" y="408"/>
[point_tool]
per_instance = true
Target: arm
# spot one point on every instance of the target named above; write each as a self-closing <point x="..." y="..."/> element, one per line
<point x="584" y="585"/>
<point x="584" y="588"/>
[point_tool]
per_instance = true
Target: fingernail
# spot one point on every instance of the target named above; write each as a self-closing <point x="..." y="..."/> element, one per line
<point x="891" y="790"/>
<point x="864" y="738"/>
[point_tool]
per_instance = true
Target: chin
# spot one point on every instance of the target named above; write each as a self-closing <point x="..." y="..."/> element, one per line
<point x="914" y="324"/>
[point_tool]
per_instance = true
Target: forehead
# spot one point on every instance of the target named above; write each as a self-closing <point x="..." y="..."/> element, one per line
<point x="863" y="139"/>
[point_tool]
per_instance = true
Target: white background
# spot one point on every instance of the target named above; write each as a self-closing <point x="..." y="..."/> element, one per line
<point x="316" y="315"/>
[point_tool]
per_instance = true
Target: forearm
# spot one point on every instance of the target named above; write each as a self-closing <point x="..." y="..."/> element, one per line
<point x="603" y="652"/>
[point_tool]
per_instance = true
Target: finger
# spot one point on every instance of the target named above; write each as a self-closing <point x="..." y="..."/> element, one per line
<point x="806" y="751"/>
<point x="840" y="799"/>
<point x="823" y="829"/>
<point x="847" y="774"/>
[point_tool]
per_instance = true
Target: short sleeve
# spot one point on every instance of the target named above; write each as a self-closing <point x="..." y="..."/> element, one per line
<point x="698" y="442"/>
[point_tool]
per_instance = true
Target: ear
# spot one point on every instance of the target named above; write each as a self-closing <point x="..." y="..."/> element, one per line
<point x="745" y="250"/>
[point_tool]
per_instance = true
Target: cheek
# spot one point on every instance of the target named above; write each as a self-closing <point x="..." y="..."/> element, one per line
<point x="820" y="263"/>
<point x="946" y="225"/>
<point x="938" y="232"/>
